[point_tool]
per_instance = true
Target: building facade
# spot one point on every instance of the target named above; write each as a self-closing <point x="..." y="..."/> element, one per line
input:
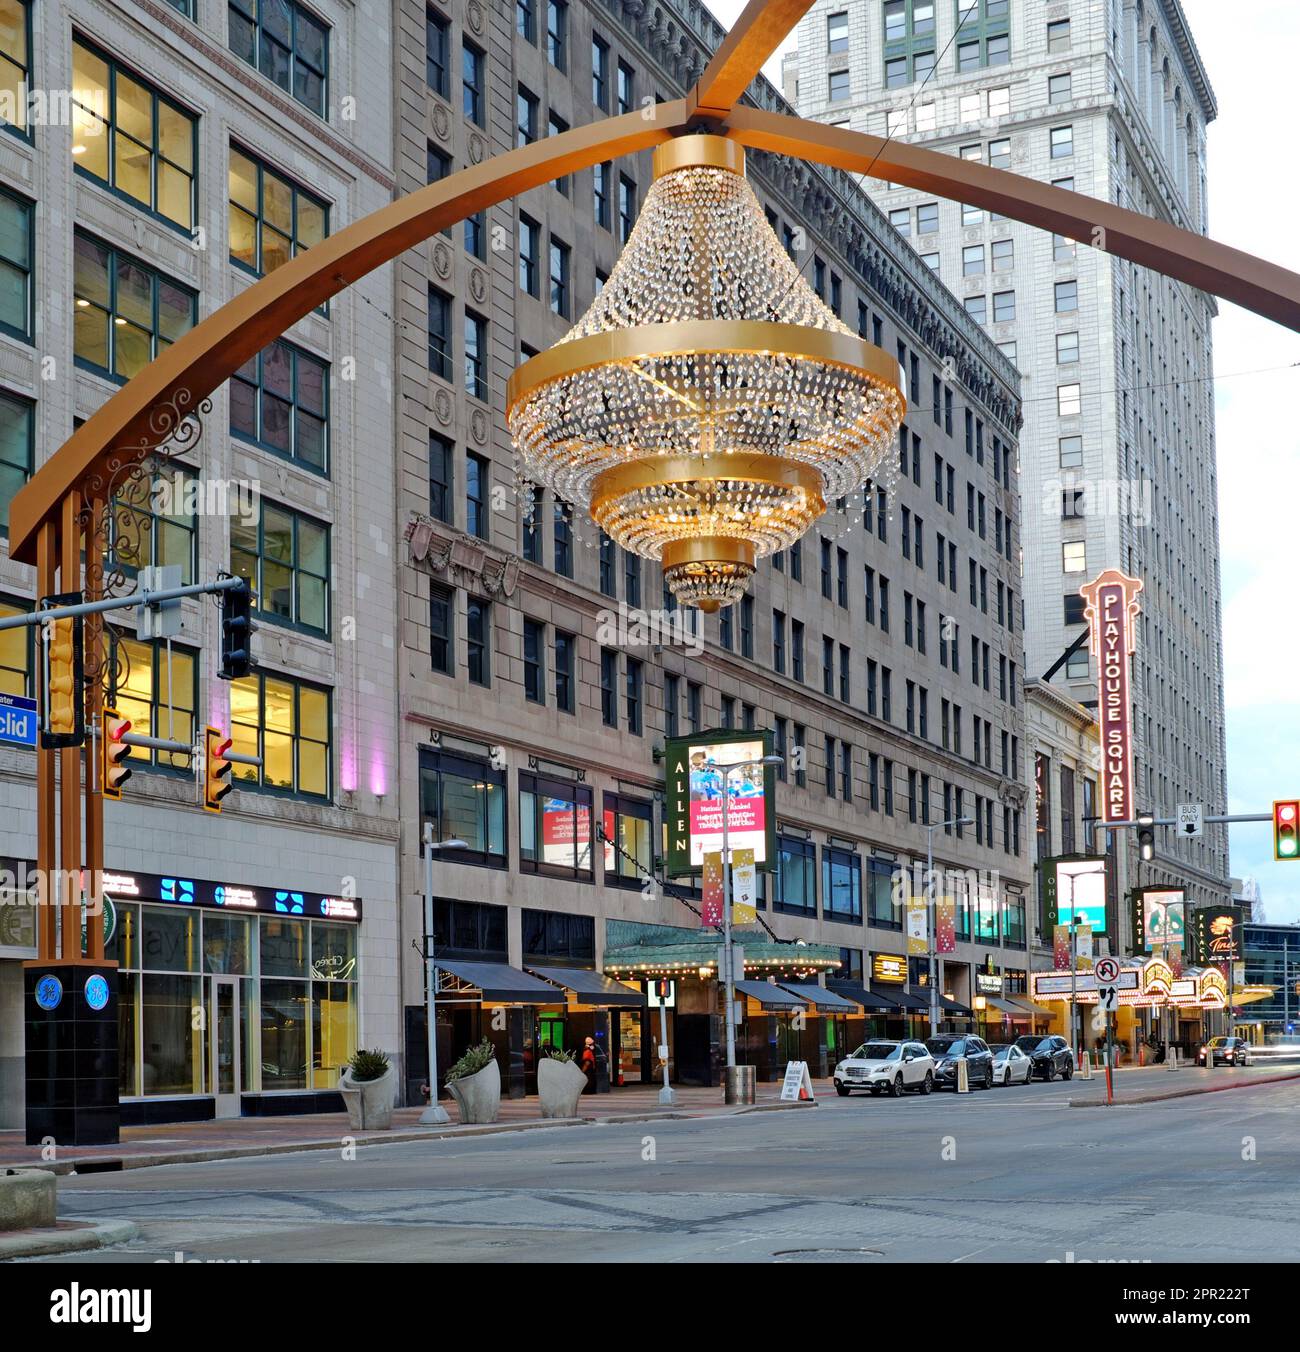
<point x="1108" y="98"/>
<point x="884" y="653"/>
<point x="156" y="159"/>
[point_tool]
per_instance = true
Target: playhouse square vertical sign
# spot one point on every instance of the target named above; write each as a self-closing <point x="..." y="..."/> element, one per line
<point x="1112" y="611"/>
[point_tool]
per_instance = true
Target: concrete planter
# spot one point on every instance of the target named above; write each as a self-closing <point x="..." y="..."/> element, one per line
<point x="478" y="1096"/>
<point x="559" y="1085"/>
<point x="27" y="1198"/>
<point x="369" y="1102"/>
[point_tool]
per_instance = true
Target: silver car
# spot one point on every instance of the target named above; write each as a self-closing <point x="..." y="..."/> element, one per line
<point x="1010" y="1064"/>
<point x="886" y="1066"/>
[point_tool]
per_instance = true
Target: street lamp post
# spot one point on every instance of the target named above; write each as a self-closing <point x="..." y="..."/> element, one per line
<point x="434" y="1113"/>
<point x="726" y="772"/>
<point x="931" y="925"/>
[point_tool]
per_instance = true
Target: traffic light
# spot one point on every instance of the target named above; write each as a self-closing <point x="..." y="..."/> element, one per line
<point x="114" y="754"/>
<point x="1146" y="836"/>
<point x="236" y="632"/>
<point x="1286" y="829"/>
<point x="64" y="720"/>
<point x="216" y="768"/>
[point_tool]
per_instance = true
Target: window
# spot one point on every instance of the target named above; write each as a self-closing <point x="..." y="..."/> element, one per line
<point x="439" y="334"/>
<point x="1071" y="452"/>
<point x="1068" y="400"/>
<point x="531" y="522"/>
<point x="838" y="86"/>
<point x="1004" y="307"/>
<point x="534" y="661"/>
<point x="609" y="687"/>
<point x="1067" y="348"/>
<point x="124" y="312"/>
<point x="157" y="696"/>
<point x="841" y="884"/>
<point x="559" y="258"/>
<point x="17" y="456"/>
<point x="1078" y="667"/>
<point x="141" y="532"/>
<point x="747" y="629"/>
<point x="464" y="798"/>
<point x="1063" y="250"/>
<point x="1004" y="255"/>
<point x="437" y="53"/>
<point x="478" y="635"/>
<point x="628" y="824"/>
<point x="837" y="33"/>
<point x="1062" y="142"/>
<point x="1058" y="88"/>
<point x="557" y="126"/>
<point x="600" y="193"/>
<point x="525" y="117"/>
<point x="796" y="876"/>
<point x="16" y="260"/>
<point x="288" y="724"/>
<point x="931" y="261"/>
<point x="778" y="641"/>
<point x="626" y="91"/>
<point x="279" y="400"/>
<point x="526" y="19"/>
<point x="1074" y="557"/>
<point x="978" y="308"/>
<point x="476" y="356"/>
<point x="1000" y="153"/>
<point x="442" y="629"/>
<point x="633" y="691"/>
<point x="626" y="207"/>
<point x="1058" y="35"/>
<point x="1074" y="609"/>
<point x="1066" y="295"/>
<point x="286" y="44"/>
<point x="16" y="651"/>
<point x="600" y="73"/>
<point x="477" y="483"/>
<point x="472" y="84"/>
<point x="284" y="557"/>
<point x="796" y="649"/>
<point x="557" y="34"/>
<point x="563" y="529"/>
<point x="530" y="234"/>
<point x="901" y="219"/>
<point x="131" y="137"/>
<point x="271" y="219"/>
<point x="927" y="218"/>
<point x="15" y="63"/>
<point x="566" y="647"/>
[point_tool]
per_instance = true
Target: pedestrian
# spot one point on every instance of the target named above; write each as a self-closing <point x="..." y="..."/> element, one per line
<point x="589" y="1064"/>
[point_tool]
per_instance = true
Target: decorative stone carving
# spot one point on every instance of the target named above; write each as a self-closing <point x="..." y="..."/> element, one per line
<point x="478" y="426"/>
<point x="441" y="258"/>
<point x="474" y="15"/>
<point x="441" y="122"/>
<point x="478" y="286"/>
<point x="476" y="148"/>
<point x="443" y="407"/>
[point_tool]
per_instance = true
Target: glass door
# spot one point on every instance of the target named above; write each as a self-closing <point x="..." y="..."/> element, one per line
<point x="225" y="1072"/>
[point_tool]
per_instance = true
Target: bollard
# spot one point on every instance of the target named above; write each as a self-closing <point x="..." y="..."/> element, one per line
<point x="963" y="1077"/>
<point x="1172" y="1062"/>
<point x="1085" y="1066"/>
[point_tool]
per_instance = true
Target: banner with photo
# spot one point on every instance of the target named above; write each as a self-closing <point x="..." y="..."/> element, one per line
<point x="917" y="931"/>
<point x="696" y="786"/>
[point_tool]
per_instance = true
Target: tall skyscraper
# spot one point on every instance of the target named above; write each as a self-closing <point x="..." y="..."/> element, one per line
<point x="1109" y="98"/>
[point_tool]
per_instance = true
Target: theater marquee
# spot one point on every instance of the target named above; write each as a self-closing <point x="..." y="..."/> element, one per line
<point x="1112" y="611"/>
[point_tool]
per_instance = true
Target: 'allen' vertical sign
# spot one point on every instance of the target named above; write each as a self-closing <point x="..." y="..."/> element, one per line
<point x="1112" y="609"/>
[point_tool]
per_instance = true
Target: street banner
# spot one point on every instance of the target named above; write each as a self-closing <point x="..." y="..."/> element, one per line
<point x="1216" y="933"/>
<point x="1083" y="947"/>
<point x="696" y="786"/>
<point x="744" y="888"/>
<point x="917" y="938"/>
<point x="1061" y="948"/>
<point x="945" y="928"/>
<point x="1163" y="917"/>
<point x="711" y="911"/>
<point x="1112" y="611"/>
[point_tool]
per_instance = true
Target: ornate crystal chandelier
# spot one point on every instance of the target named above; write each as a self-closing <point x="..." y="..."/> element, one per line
<point x="708" y="405"/>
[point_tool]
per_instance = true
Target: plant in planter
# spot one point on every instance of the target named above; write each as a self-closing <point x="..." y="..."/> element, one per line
<point x="366" y="1084"/>
<point x="475" y="1083"/>
<point x="560" y="1083"/>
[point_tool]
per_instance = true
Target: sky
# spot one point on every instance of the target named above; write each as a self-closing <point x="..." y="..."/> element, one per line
<point x="1248" y="52"/>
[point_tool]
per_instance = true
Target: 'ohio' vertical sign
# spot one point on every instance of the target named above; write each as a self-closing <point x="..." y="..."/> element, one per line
<point x="1112" y="610"/>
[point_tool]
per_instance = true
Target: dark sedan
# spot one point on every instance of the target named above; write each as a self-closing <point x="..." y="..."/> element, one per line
<point x="951" y="1048"/>
<point x="1051" y="1055"/>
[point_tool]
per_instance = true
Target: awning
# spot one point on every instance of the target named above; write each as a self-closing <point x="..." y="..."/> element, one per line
<point x="910" y="1000"/>
<point x="593" y="988"/>
<point x="1005" y="1007"/>
<point x="770" y="996"/>
<point x="951" y="1006"/>
<point x="495" y="982"/>
<point x="831" y="1002"/>
<point x="871" y="1001"/>
<point x="1028" y="1006"/>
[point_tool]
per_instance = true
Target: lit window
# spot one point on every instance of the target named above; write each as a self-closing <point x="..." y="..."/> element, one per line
<point x="15" y="62"/>
<point x="287" y="723"/>
<point x="271" y="219"/>
<point x="1068" y="400"/>
<point x="155" y="687"/>
<point x="1074" y="556"/>
<point x="1000" y="101"/>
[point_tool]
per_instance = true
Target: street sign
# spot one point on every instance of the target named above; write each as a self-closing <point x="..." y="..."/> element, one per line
<point x="1106" y="970"/>
<point x="797" y="1083"/>
<point x="17" y="720"/>
<point x="1108" y="998"/>
<point x="1191" y="819"/>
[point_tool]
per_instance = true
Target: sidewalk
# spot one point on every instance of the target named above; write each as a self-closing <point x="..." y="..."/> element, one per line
<point x="232" y="1138"/>
<point x="1153" y="1084"/>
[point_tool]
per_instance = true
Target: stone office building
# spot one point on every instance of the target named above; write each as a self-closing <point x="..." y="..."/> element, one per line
<point x="885" y="651"/>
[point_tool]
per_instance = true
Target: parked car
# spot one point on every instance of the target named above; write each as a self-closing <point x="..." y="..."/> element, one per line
<point x="1051" y="1056"/>
<point x="1010" y="1064"/>
<point x="950" y="1048"/>
<point x="1226" y="1051"/>
<point x="886" y="1066"/>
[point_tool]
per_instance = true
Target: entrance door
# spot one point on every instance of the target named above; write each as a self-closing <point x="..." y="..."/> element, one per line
<point x="224" y="1070"/>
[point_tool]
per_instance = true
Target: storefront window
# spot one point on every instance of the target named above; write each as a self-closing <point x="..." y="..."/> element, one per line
<point x="554" y="827"/>
<point x="169" y="939"/>
<point x="333" y="1030"/>
<point x="796" y="876"/>
<point x="841" y="884"/>
<point x="283" y="947"/>
<point x="128" y="1062"/>
<point x="987" y="931"/>
<point x="881" y="910"/>
<point x="1013" y="918"/>
<point x="465" y="799"/>
<point x="225" y="943"/>
<point x="627" y="825"/>
<point x="285" y="1018"/>
<point x="171" y="1059"/>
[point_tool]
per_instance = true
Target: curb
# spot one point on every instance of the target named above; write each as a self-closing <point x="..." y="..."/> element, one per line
<point x="66" y="1237"/>
<point x="1186" y="1093"/>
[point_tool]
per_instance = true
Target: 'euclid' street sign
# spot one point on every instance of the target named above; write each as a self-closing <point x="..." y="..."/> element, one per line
<point x="17" y="720"/>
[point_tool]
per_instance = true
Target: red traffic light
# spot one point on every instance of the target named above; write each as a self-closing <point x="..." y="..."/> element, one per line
<point x="216" y="768"/>
<point x="1286" y="829"/>
<point x="116" y="752"/>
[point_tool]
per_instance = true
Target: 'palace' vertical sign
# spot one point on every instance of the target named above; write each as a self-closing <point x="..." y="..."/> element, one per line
<point x="1112" y="610"/>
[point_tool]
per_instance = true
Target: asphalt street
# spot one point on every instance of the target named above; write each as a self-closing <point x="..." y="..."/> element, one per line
<point x="1008" y="1175"/>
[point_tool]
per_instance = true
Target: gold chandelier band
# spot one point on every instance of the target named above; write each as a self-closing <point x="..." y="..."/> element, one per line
<point x="699" y="152"/>
<point x="708" y="549"/>
<point x="723" y="337"/>
<point x="654" y="471"/>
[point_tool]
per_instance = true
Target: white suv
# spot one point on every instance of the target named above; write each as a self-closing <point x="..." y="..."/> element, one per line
<point x="883" y="1065"/>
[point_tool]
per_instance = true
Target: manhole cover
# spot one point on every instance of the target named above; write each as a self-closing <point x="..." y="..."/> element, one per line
<point x="822" y="1255"/>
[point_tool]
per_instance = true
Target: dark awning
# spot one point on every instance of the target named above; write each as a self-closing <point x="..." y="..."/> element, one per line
<point x="497" y="981"/>
<point x="1004" y="1007"/>
<point x="891" y="996"/>
<point x="592" y="988"/>
<point x="911" y="1000"/>
<point x="951" y="1006"/>
<point x="871" y="1002"/>
<point x="770" y="996"/>
<point x="832" y="1002"/>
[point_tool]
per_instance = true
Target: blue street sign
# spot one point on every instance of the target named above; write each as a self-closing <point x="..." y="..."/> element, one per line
<point x="17" y="720"/>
